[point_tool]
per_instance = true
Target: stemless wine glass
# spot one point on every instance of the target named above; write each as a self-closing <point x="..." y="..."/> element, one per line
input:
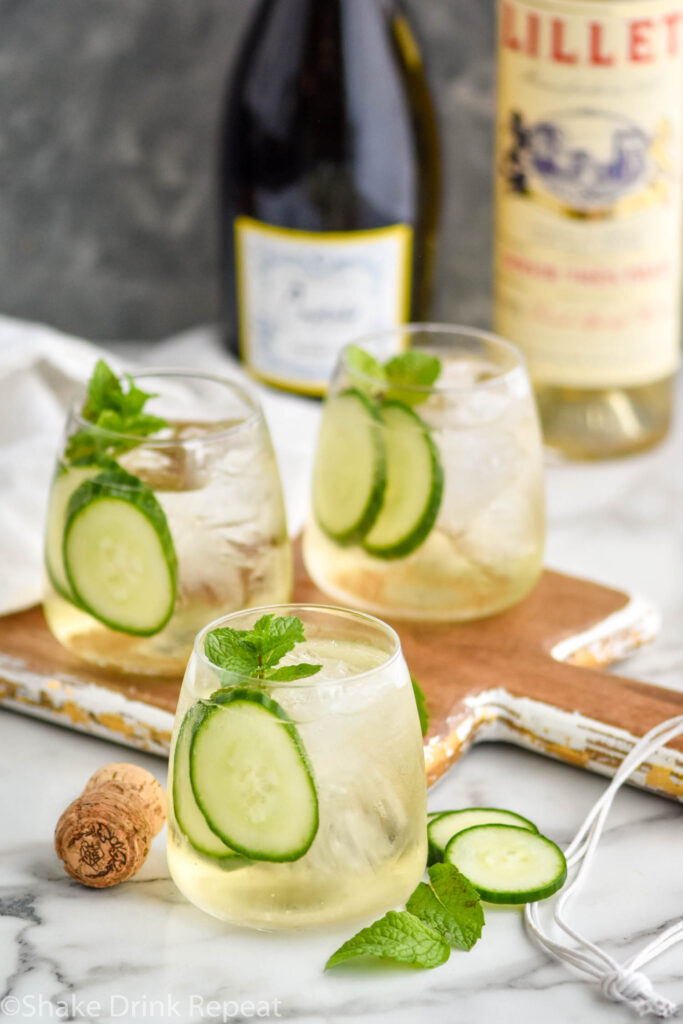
<point x="428" y="501"/>
<point x="150" y="538"/>
<point x="303" y="802"/>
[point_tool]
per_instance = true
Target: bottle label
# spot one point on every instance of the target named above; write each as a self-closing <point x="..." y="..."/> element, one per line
<point x="588" y="188"/>
<point x="303" y="295"/>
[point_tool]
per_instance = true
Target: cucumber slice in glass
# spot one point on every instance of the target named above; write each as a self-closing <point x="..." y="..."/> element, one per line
<point x="251" y="777"/>
<point x="67" y="479"/>
<point x="508" y="864"/>
<point x="414" y="487"/>
<point x="349" y="475"/>
<point x="190" y="819"/>
<point x="118" y="554"/>
<point x="445" y="825"/>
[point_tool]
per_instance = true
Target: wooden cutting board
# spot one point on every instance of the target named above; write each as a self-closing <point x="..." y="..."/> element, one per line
<point x="531" y="676"/>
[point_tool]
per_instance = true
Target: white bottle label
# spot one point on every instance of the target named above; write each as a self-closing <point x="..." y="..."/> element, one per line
<point x="588" y="188"/>
<point x="303" y="295"/>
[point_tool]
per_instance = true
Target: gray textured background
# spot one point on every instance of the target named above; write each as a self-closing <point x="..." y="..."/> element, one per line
<point x="108" y="112"/>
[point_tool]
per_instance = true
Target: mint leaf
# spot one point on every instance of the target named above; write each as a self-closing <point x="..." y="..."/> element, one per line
<point x="398" y="936"/>
<point x="254" y="652"/>
<point x="272" y="638"/>
<point x="412" y="369"/>
<point x="85" y="444"/>
<point x="134" y="400"/>
<point x="228" y="649"/>
<point x="362" y="364"/>
<point x="451" y="904"/>
<point x="421" y="702"/>
<point x="287" y="672"/>
<point x="138" y="424"/>
<point x="104" y="389"/>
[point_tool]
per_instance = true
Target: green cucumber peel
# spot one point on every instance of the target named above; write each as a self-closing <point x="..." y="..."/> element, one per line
<point x="332" y="446"/>
<point x="117" y="484"/>
<point x="407" y="544"/>
<point x="188" y="815"/>
<point x="421" y="701"/>
<point x="219" y="703"/>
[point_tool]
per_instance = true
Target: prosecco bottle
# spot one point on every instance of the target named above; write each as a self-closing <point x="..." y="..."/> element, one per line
<point x="329" y="183"/>
<point x="588" y="235"/>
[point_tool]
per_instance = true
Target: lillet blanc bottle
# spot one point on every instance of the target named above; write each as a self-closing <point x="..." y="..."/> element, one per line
<point x="328" y="185"/>
<point x="588" y="220"/>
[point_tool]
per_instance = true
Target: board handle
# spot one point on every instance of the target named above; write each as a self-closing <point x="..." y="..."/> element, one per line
<point x="577" y="715"/>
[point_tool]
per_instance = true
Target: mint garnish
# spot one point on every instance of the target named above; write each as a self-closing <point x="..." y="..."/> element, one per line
<point x="287" y="672"/>
<point x="112" y="409"/>
<point x="446" y="912"/>
<point x="399" y="936"/>
<point x="361" y="362"/>
<point x="451" y="904"/>
<point x="421" y="702"/>
<point x="394" y="378"/>
<point x="255" y="652"/>
<point x="412" y="369"/>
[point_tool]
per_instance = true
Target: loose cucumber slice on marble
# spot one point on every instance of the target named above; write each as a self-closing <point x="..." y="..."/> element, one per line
<point x="118" y="554"/>
<point x="414" y="486"/>
<point x="189" y="817"/>
<point x="349" y="475"/>
<point x="442" y="828"/>
<point x="508" y="864"/>
<point x="67" y="479"/>
<point x="251" y="777"/>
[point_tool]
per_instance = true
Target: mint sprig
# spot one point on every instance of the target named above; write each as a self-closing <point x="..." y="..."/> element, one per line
<point x="256" y="652"/>
<point x="442" y="914"/>
<point x="112" y="410"/>
<point x="395" y="378"/>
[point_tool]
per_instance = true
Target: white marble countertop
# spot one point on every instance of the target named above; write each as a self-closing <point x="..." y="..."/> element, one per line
<point x="140" y="952"/>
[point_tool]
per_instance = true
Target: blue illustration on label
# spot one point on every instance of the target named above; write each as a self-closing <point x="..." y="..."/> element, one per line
<point x="588" y="160"/>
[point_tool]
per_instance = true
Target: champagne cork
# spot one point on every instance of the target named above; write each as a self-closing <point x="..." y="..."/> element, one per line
<point x="104" y="836"/>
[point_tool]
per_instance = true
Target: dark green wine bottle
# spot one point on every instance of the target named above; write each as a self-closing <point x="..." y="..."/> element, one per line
<point x="329" y="185"/>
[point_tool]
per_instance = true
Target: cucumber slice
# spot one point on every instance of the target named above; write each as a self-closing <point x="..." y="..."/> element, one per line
<point x="118" y="554"/>
<point x="508" y="864"/>
<point x="444" y="826"/>
<point x="251" y="777"/>
<point x="67" y="479"/>
<point x="190" y="819"/>
<point x="414" y="486"/>
<point x="349" y="475"/>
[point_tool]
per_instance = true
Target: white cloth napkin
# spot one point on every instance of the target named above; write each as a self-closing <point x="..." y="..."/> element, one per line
<point x="42" y="371"/>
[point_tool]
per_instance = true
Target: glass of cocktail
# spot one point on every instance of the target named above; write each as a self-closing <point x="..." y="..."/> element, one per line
<point x="428" y="497"/>
<point x="166" y="511"/>
<point x="296" y="778"/>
